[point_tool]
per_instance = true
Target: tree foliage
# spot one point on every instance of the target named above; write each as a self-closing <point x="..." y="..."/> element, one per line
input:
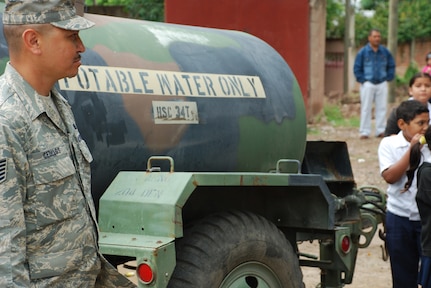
<point x="370" y="4"/>
<point x="147" y="9"/>
<point x="413" y="17"/>
<point x="413" y="20"/>
<point x="152" y="10"/>
<point x="335" y="15"/>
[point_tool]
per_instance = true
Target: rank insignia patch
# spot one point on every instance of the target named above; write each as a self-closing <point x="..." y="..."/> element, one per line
<point x="3" y="170"/>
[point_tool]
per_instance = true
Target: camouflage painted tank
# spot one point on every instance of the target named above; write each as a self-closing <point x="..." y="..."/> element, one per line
<point x="214" y="100"/>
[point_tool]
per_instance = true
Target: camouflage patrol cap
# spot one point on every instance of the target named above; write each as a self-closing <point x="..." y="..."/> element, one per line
<point x="60" y="13"/>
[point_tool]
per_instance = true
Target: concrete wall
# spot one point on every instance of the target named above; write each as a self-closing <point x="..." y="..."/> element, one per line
<point x="334" y="61"/>
<point x="421" y="49"/>
<point x="317" y="58"/>
<point x="334" y="67"/>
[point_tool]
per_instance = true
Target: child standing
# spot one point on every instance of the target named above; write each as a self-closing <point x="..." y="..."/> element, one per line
<point x="420" y="90"/>
<point x="402" y="217"/>
<point x="427" y="67"/>
<point x="423" y="200"/>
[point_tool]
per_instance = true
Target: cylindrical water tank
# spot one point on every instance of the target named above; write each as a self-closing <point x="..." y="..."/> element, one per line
<point x="213" y="100"/>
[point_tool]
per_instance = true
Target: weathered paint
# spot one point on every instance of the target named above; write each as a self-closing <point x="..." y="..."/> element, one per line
<point x="232" y="102"/>
<point x="152" y="204"/>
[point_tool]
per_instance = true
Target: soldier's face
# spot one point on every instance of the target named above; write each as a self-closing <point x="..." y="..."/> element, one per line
<point x="62" y="52"/>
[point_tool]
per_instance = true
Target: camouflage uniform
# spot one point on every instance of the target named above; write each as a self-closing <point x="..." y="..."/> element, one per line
<point x="48" y="229"/>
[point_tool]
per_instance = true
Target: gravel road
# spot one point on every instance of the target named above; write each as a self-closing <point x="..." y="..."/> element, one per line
<point x="371" y="271"/>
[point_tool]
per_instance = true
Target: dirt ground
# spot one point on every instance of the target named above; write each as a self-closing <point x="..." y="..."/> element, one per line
<point x="371" y="270"/>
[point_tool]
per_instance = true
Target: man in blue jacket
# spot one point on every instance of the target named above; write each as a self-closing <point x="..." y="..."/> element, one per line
<point x="374" y="66"/>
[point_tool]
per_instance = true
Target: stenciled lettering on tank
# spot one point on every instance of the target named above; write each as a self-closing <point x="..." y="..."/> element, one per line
<point x="163" y="83"/>
<point x="156" y="178"/>
<point x="152" y="193"/>
<point x="175" y="112"/>
<point x="125" y="192"/>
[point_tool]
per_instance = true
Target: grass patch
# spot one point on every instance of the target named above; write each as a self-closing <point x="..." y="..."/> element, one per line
<point x="312" y="131"/>
<point x="354" y="122"/>
<point x="334" y="116"/>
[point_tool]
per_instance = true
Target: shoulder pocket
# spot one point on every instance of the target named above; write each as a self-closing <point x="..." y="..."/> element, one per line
<point x="85" y="151"/>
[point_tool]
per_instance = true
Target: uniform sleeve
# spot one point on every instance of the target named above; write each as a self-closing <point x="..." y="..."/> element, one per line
<point x="13" y="166"/>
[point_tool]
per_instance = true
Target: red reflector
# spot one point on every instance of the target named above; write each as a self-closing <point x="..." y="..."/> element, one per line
<point x="145" y="273"/>
<point x="345" y="244"/>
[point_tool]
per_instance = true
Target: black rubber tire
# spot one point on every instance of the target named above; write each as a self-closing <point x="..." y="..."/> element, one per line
<point x="235" y="249"/>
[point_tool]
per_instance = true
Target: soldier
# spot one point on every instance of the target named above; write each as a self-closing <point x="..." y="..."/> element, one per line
<point x="48" y="229"/>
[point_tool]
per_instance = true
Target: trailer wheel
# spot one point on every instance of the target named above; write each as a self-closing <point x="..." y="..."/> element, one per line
<point x="235" y="249"/>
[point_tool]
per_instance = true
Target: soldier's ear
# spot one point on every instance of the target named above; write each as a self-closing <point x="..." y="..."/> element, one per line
<point x="31" y="40"/>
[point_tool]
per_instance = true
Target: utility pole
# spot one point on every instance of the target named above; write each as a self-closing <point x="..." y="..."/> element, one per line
<point x="317" y="57"/>
<point x="392" y="41"/>
<point x="349" y="45"/>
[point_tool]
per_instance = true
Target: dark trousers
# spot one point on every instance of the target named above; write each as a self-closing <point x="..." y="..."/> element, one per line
<point x="404" y="247"/>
